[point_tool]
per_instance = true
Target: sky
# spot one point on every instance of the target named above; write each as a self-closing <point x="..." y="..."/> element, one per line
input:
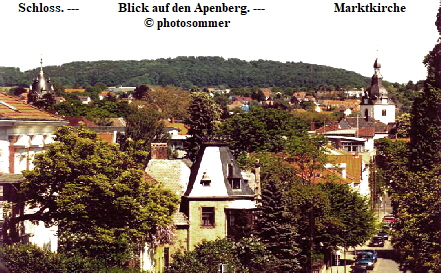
<point x="308" y="31"/>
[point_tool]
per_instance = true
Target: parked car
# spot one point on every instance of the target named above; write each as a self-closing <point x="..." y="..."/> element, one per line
<point x="390" y="220"/>
<point x="377" y="241"/>
<point x="386" y="226"/>
<point x="384" y="234"/>
<point x="365" y="260"/>
<point x="359" y="269"/>
<point x="370" y="251"/>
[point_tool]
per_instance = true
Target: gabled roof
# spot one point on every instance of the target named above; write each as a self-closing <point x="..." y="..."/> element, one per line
<point x="14" y="108"/>
<point x="241" y="98"/>
<point x="172" y="174"/>
<point x="183" y="130"/>
<point x="217" y="162"/>
<point x="354" y="122"/>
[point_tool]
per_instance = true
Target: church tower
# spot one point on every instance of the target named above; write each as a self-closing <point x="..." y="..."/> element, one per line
<point x="376" y="103"/>
<point x="41" y="89"/>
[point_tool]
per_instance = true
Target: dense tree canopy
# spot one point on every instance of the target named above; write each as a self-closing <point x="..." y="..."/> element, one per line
<point x="417" y="191"/>
<point x="144" y="123"/>
<point x="329" y="214"/>
<point x="248" y="255"/>
<point x="100" y="201"/>
<point x="202" y="120"/>
<point x="262" y="130"/>
<point x="192" y="71"/>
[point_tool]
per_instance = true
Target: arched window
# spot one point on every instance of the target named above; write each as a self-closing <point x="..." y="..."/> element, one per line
<point x="383" y="112"/>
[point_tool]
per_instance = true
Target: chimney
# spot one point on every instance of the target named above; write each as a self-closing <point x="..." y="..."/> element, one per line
<point x="338" y="143"/>
<point x="343" y="170"/>
<point x="159" y="151"/>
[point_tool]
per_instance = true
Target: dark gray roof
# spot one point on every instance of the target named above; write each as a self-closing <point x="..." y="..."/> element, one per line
<point x="230" y="170"/>
<point x="11" y="178"/>
<point x="354" y="122"/>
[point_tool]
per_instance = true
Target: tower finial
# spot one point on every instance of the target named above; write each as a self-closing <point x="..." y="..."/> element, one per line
<point x="41" y="63"/>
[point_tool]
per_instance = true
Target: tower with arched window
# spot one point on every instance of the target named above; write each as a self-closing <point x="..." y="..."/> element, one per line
<point x="376" y="103"/>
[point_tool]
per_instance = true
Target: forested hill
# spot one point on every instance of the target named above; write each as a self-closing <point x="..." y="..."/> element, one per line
<point x="190" y="71"/>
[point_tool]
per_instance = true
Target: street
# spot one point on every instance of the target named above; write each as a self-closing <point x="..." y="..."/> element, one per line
<point x="385" y="262"/>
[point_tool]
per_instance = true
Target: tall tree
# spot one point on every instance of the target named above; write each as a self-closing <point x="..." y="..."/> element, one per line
<point x="262" y="130"/>
<point x="142" y="92"/>
<point x="172" y="101"/>
<point x="418" y="209"/>
<point x="103" y="206"/>
<point x="275" y="227"/>
<point x="203" y="115"/>
<point x="425" y="133"/>
<point x="353" y="220"/>
<point x="144" y="126"/>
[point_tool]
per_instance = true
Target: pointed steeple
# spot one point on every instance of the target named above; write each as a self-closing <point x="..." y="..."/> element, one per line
<point x="376" y="93"/>
<point x="41" y="86"/>
<point x="376" y="103"/>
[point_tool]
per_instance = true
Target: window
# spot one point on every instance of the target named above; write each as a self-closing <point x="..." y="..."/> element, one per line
<point x="235" y="183"/>
<point x="207" y="216"/>
<point x="383" y="112"/>
<point x="206" y="180"/>
<point x="166" y="256"/>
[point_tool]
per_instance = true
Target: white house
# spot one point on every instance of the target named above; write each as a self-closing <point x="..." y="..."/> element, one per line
<point x="24" y="132"/>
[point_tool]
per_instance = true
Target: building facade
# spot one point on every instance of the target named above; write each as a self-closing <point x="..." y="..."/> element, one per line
<point x="376" y="102"/>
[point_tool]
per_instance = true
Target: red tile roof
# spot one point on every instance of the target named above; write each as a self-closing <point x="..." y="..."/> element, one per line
<point x="78" y="121"/>
<point x="106" y="136"/>
<point x="14" y="108"/>
<point x="366" y="132"/>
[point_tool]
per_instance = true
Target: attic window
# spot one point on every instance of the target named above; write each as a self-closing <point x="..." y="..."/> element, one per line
<point x="234" y="183"/>
<point x="205" y="180"/>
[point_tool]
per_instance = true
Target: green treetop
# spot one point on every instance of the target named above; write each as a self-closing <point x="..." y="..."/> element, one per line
<point x="101" y="202"/>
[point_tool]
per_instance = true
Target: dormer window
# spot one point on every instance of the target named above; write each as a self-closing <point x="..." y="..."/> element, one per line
<point x="205" y="180"/>
<point x="234" y="183"/>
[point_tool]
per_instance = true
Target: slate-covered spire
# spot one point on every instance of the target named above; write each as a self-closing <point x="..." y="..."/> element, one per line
<point x="376" y="93"/>
<point x="40" y="87"/>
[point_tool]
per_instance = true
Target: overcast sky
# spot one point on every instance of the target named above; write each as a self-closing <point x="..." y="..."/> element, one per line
<point x="306" y="31"/>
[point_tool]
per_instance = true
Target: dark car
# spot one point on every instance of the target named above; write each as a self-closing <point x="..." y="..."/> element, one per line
<point x="384" y="234"/>
<point x="365" y="260"/>
<point x="359" y="269"/>
<point x="369" y="251"/>
<point x="377" y="241"/>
